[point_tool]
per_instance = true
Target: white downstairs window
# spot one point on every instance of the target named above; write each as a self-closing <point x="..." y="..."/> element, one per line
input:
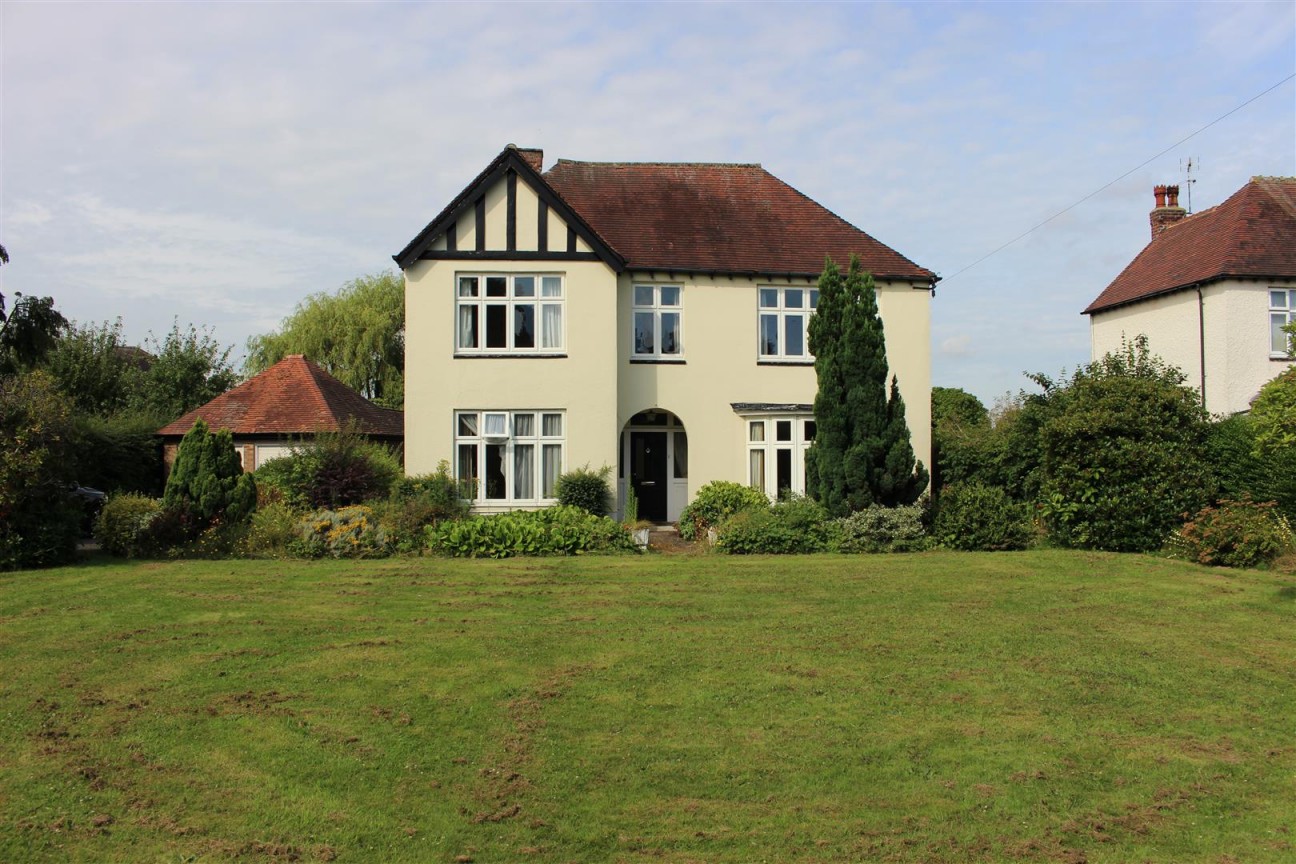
<point x="509" y="457"/>
<point x="509" y="313"/>
<point x="776" y="449"/>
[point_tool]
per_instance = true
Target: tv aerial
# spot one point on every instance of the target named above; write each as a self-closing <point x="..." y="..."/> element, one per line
<point x="1188" y="166"/>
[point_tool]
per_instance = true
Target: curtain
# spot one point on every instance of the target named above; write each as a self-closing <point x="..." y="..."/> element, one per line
<point x="551" y="325"/>
<point x="552" y="468"/>
<point x="757" y="477"/>
<point x="467" y="326"/>
<point x="523" y="472"/>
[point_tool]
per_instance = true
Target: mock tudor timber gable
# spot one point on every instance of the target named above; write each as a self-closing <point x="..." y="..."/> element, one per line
<point x="650" y="317"/>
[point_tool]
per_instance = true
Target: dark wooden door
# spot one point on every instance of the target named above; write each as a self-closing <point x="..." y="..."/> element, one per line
<point x="648" y="473"/>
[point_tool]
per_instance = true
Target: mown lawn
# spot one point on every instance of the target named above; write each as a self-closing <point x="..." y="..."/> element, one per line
<point x="1045" y="706"/>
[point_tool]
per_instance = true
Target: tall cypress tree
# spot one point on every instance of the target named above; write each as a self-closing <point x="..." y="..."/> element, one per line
<point x="862" y="454"/>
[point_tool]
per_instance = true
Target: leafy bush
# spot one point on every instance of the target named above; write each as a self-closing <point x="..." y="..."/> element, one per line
<point x="1234" y="534"/>
<point x="795" y="526"/>
<point x="208" y="477"/>
<point x="559" y="530"/>
<point x="1274" y="414"/>
<point x="122" y="526"/>
<point x="587" y="489"/>
<point x="272" y="532"/>
<point x="1241" y="470"/>
<point x="349" y="532"/>
<point x="417" y="502"/>
<point x="335" y="470"/>
<point x="716" y="502"/>
<point x="883" y="529"/>
<point x="975" y="517"/>
<point x="119" y="454"/>
<point x="170" y="530"/>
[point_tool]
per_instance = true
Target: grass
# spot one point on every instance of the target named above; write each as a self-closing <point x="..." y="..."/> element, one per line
<point x="1044" y="706"/>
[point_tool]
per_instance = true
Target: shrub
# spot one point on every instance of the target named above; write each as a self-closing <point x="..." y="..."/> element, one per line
<point x="170" y="530"/>
<point x="417" y="502"/>
<point x="587" y="489"/>
<point x="716" y="502"/>
<point x="272" y="531"/>
<point x="1241" y="470"/>
<point x="208" y="477"/>
<point x="631" y="515"/>
<point x="1273" y="414"/>
<point x="1234" y="534"/>
<point x="119" y="454"/>
<point x="975" y="517"/>
<point x="288" y="479"/>
<point x="795" y="526"/>
<point x="349" y="532"/>
<point x="122" y="526"/>
<point x="337" y="469"/>
<point x="883" y="529"/>
<point x="559" y="530"/>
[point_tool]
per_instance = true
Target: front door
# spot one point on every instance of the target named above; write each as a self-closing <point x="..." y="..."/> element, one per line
<point x="648" y="473"/>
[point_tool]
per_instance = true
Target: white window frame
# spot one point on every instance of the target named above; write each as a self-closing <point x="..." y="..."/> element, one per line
<point x="761" y="433"/>
<point x="541" y="430"/>
<point x="548" y="298"/>
<point x="656" y="308"/>
<point x="781" y="313"/>
<point x="1280" y="316"/>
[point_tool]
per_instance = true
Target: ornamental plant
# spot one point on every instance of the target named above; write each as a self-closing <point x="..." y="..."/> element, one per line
<point x="207" y="478"/>
<point x="716" y="502"/>
<point x="1240" y="533"/>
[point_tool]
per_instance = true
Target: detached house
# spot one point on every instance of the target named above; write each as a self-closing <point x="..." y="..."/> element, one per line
<point x="649" y="317"/>
<point x="1211" y="291"/>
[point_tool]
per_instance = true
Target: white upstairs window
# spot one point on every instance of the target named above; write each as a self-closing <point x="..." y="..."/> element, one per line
<point x="658" y="321"/>
<point x="509" y="313"/>
<point x="784" y="316"/>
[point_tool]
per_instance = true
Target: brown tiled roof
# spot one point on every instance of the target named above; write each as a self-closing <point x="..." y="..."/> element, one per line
<point x="725" y="218"/>
<point x="292" y="397"/>
<point x="1251" y="235"/>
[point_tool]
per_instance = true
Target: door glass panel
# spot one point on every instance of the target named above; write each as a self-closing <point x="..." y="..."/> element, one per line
<point x="681" y="456"/>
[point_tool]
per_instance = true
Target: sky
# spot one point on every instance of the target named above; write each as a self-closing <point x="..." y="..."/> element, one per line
<point x="216" y="163"/>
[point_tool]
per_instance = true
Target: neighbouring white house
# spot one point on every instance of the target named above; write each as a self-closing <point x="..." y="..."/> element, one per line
<point x="648" y="317"/>
<point x="1211" y="292"/>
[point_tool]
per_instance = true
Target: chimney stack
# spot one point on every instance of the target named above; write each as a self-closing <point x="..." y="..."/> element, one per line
<point x="534" y="157"/>
<point x="1167" y="211"/>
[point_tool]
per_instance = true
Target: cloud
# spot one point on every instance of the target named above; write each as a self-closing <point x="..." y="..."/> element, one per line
<point x="957" y="346"/>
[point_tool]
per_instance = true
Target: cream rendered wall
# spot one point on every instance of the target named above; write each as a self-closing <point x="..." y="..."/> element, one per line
<point x="720" y="351"/>
<point x="1236" y="315"/>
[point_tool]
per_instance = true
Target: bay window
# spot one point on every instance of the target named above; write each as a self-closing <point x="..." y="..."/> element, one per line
<point x="509" y="313"/>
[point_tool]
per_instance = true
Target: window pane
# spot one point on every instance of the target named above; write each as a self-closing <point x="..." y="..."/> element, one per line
<point x="551" y="468"/>
<point x="467" y="286"/>
<point x="681" y="455"/>
<point x="524" y="472"/>
<point x="793" y="298"/>
<point x="468" y="425"/>
<point x="643" y="295"/>
<point x="496" y="326"/>
<point x="644" y="343"/>
<point x="810" y="430"/>
<point x="769" y="298"/>
<point x="496" y="487"/>
<point x="524" y="425"/>
<point x="669" y="295"/>
<point x="1278" y="339"/>
<point x="784" y="458"/>
<point x="783" y="430"/>
<point x="523" y="286"/>
<point x="756" y="430"/>
<point x="524" y="325"/>
<point x="551" y="325"/>
<point x="814" y="299"/>
<point x="1278" y="299"/>
<point x="756" y="470"/>
<point x="496" y="424"/>
<point x="496" y="286"/>
<point x="468" y="326"/>
<point x="552" y="425"/>
<point x="670" y="322"/>
<point x="467" y="471"/>
<point x="550" y="286"/>
<point x="794" y="336"/>
<point x="769" y="341"/>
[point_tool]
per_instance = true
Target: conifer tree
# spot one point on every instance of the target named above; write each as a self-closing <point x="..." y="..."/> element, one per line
<point x="862" y="454"/>
<point x="208" y="477"/>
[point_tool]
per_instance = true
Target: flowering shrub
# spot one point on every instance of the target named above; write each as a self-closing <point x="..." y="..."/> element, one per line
<point x="348" y="532"/>
<point x="1234" y="534"/>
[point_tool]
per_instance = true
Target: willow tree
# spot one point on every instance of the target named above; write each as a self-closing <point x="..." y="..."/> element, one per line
<point x="862" y="454"/>
<point x="356" y="334"/>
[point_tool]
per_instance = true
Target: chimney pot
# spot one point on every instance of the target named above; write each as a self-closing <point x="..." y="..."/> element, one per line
<point x="1160" y="193"/>
<point x="1167" y="212"/>
<point x="1172" y="194"/>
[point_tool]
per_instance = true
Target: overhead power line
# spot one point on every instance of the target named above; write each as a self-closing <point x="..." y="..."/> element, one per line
<point x="1071" y="207"/>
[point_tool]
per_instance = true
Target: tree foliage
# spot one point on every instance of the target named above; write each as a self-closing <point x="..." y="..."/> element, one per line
<point x="960" y="427"/>
<point x="38" y="521"/>
<point x="1123" y="452"/>
<point x="1273" y="414"/>
<point x="27" y="335"/>
<point x="92" y="370"/>
<point x="356" y="334"/>
<point x="862" y="454"/>
<point x="207" y="478"/>
<point x="188" y="368"/>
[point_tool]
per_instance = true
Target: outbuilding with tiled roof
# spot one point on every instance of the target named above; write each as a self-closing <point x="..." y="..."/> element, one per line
<point x="287" y="404"/>
<point x="1211" y="291"/>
